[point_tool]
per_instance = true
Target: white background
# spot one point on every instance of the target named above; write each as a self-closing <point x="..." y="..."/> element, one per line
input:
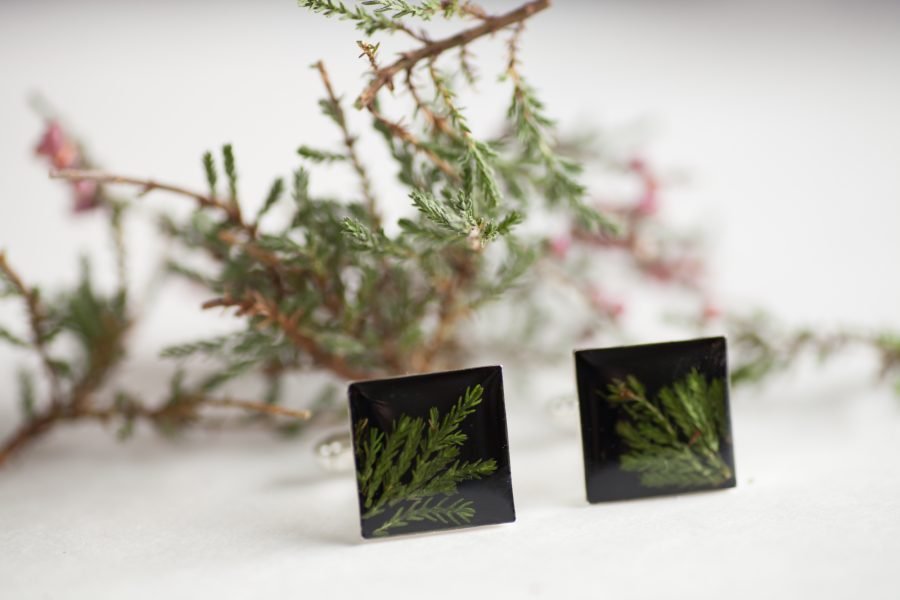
<point x="785" y="119"/>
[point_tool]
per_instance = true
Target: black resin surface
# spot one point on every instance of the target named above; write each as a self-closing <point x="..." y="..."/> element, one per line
<point x="384" y="402"/>
<point x="656" y="366"/>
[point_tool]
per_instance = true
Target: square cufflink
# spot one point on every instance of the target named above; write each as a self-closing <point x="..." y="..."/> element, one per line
<point x="431" y="452"/>
<point x="655" y="419"/>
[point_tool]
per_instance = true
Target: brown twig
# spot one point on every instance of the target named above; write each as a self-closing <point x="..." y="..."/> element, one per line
<point x="29" y="431"/>
<point x="256" y="305"/>
<point x="41" y="424"/>
<point x="452" y="309"/>
<point x="438" y="122"/>
<point x="429" y="51"/>
<point x="434" y="49"/>
<point x="231" y="209"/>
<point x="404" y="134"/>
<point x="269" y="409"/>
<point x="149" y="185"/>
<point x="35" y="321"/>
<point x="350" y="143"/>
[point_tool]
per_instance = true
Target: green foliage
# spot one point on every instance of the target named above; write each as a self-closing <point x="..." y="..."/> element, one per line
<point x="368" y="22"/>
<point x="415" y="461"/>
<point x="558" y="183"/>
<point x="458" y="512"/>
<point x="11" y="338"/>
<point x="212" y="176"/>
<point x="320" y="156"/>
<point x="422" y="10"/>
<point x="27" y="397"/>
<point x="675" y="439"/>
<point x="478" y="157"/>
<point x="274" y="195"/>
<point x="230" y="171"/>
<point x="98" y="323"/>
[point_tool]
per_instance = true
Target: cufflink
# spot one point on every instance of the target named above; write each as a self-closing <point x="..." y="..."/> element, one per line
<point x="431" y="452"/>
<point x="655" y="419"/>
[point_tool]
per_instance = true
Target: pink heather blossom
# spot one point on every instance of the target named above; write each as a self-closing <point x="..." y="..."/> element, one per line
<point x="54" y="144"/>
<point x="559" y="246"/>
<point x="604" y="304"/>
<point x="63" y="153"/>
<point x="648" y="203"/>
<point x="637" y="165"/>
<point x="711" y="312"/>
<point x="86" y="196"/>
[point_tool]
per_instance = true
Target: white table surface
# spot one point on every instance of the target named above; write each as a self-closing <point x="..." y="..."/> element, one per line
<point x="786" y="120"/>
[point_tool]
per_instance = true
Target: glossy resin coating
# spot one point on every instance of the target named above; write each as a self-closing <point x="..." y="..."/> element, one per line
<point x="431" y="452"/>
<point x="655" y="419"/>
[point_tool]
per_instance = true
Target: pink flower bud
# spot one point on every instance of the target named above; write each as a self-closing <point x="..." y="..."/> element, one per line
<point x="86" y="195"/>
<point x="559" y="246"/>
<point x="711" y="312"/>
<point x="602" y="303"/>
<point x="63" y="153"/>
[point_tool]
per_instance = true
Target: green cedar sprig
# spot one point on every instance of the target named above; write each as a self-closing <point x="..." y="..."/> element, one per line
<point x="675" y="439"/>
<point x="368" y="22"/>
<point x="423" y="10"/>
<point x="416" y="460"/>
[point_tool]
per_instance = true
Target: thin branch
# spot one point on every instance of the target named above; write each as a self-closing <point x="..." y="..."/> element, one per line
<point x="350" y="143"/>
<point x="230" y="209"/>
<point x="434" y="49"/>
<point x="269" y="409"/>
<point x="149" y="185"/>
<point x="438" y="122"/>
<point x="35" y="321"/>
<point x="39" y="425"/>
<point x="254" y="304"/>
<point x="404" y="134"/>
<point x="29" y="431"/>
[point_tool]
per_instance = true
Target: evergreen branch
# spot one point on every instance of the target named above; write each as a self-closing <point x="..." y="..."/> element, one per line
<point x="423" y="10"/>
<point x="27" y="394"/>
<point x="764" y="347"/>
<point x="674" y="440"/>
<point x="405" y="135"/>
<point x="476" y="162"/>
<point x="255" y="305"/>
<point x="257" y="407"/>
<point x="37" y="323"/>
<point x="534" y="130"/>
<point x="272" y="198"/>
<point x="11" y="338"/>
<point x="350" y="143"/>
<point x="212" y="177"/>
<point x="430" y="50"/>
<point x="435" y="212"/>
<point x="364" y="238"/>
<point x="98" y="324"/>
<point x="365" y="21"/>
<point x="320" y="156"/>
<point x="230" y="209"/>
<point x="437" y="122"/>
<point x="231" y="174"/>
<point x="148" y="185"/>
<point x="127" y="410"/>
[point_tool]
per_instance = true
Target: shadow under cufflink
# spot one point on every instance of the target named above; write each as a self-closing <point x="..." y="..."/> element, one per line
<point x="655" y="419"/>
<point x="431" y="452"/>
